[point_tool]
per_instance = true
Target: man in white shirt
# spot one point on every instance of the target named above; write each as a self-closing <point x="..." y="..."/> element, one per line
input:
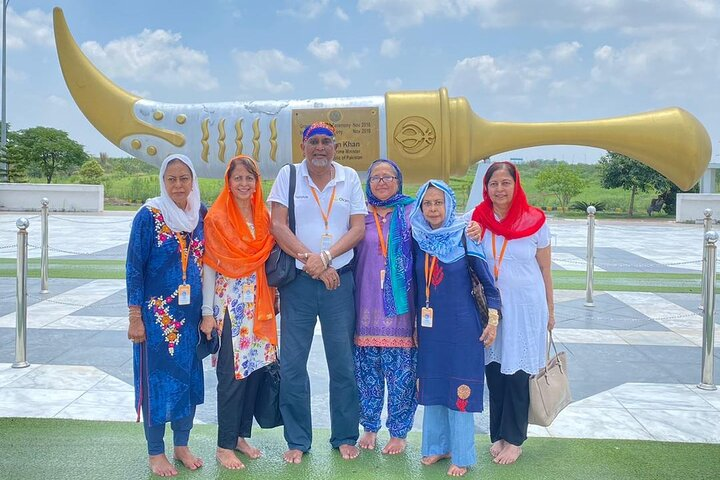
<point x="330" y="220"/>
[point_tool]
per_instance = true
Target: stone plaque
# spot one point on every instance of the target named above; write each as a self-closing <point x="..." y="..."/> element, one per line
<point x="357" y="133"/>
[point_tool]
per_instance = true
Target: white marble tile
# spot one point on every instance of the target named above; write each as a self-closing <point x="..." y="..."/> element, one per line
<point x="34" y="402"/>
<point x="665" y="312"/>
<point x="710" y="396"/>
<point x="85" y="322"/>
<point x="568" y="261"/>
<point x="538" y="431"/>
<point x="680" y="425"/>
<point x="599" y="400"/>
<point x="597" y="423"/>
<point x="61" y="377"/>
<point x="588" y="335"/>
<point x="112" y="384"/>
<point x="96" y="412"/>
<point x="9" y="374"/>
<point x="105" y="398"/>
<point x="568" y="295"/>
<point x="655" y="338"/>
<point x="48" y="311"/>
<point x="652" y="396"/>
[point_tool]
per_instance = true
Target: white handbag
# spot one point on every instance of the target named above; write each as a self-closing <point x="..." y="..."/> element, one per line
<point x="549" y="388"/>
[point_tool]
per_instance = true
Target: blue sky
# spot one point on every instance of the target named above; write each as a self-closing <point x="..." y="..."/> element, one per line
<point x="514" y="60"/>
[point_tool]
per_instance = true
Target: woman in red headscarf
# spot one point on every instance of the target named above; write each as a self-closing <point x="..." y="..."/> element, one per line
<point x="516" y="240"/>
<point x="238" y="302"/>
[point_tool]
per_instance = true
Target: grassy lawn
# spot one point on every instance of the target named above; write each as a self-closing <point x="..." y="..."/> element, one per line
<point x="53" y="448"/>
<point x="563" y="279"/>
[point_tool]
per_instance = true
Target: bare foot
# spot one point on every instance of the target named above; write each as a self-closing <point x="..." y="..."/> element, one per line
<point x="430" y="459"/>
<point x="190" y="461"/>
<point x="455" y="471"/>
<point x="160" y="466"/>
<point x="244" y="447"/>
<point x="368" y="440"/>
<point x="293" y="456"/>
<point x="394" y="446"/>
<point x="228" y="459"/>
<point x="508" y="455"/>
<point x="349" y="452"/>
<point x="497" y="447"/>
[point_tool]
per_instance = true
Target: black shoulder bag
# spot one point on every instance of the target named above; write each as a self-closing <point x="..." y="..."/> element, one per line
<point x="280" y="267"/>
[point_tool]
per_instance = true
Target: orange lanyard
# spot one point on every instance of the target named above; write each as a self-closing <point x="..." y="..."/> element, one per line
<point x="428" y="276"/>
<point x="330" y="205"/>
<point x="498" y="261"/>
<point x="184" y="254"/>
<point x="383" y="244"/>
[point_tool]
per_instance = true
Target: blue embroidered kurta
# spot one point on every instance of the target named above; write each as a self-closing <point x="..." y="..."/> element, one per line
<point x="167" y="370"/>
<point x="451" y="357"/>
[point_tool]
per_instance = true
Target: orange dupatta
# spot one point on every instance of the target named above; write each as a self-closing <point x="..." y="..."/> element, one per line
<point x="231" y="249"/>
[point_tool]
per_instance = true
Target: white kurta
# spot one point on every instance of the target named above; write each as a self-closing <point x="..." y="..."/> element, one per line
<point x="521" y="336"/>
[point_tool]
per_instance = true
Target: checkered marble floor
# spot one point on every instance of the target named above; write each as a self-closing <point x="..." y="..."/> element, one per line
<point x="634" y="358"/>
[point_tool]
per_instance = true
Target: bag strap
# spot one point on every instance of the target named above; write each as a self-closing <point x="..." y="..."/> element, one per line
<point x="550" y="343"/>
<point x="291" y="199"/>
<point x="470" y="274"/>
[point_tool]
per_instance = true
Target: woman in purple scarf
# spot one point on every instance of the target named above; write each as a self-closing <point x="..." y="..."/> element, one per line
<point x="384" y="347"/>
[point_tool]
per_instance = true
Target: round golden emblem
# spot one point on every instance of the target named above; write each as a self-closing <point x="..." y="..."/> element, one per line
<point x="414" y="135"/>
<point x="463" y="392"/>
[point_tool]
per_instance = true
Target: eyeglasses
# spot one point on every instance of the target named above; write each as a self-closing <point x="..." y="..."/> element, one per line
<point x="317" y="141"/>
<point x="383" y="179"/>
<point x="431" y="203"/>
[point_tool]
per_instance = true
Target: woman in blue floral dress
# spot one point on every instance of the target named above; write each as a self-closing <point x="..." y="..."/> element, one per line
<point x="164" y="293"/>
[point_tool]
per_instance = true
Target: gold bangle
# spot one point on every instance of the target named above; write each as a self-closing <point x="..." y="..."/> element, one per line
<point x="493" y="317"/>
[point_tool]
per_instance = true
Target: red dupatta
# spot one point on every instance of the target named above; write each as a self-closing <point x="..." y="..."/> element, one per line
<point x="522" y="219"/>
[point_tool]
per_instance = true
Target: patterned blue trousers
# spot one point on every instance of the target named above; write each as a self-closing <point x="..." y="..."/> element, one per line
<point x="374" y="366"/>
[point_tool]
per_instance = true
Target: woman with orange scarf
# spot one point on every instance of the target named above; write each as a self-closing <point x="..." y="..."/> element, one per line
<point x="238" y="302"/>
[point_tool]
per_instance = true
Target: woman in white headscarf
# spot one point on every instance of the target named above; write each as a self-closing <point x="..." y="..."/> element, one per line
<point x="164" y="292"/>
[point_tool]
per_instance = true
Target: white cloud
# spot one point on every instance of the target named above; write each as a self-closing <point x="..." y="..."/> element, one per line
<point x="390" y="48"/>
<point x="566" y="51"/>
<point x="57" y="101"/>
<point x="390" y="83"/>
<point x="334" y="81"/>
<point x="550" y="14"/>
<point x="255" y="69"/>
<point x="324" y="50"/>
<point x="306" y="9"/>
<point x="155" y="56"/>
<point x="340" y="13"/>
<point x="33" y="27"/>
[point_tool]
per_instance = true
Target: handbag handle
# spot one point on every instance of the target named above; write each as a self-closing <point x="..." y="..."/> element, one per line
<point x="291" y="199"/>
<point x="550" y="343"/>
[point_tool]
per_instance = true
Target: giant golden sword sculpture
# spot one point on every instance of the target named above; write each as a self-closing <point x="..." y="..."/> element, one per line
<point x="429" y="134"/>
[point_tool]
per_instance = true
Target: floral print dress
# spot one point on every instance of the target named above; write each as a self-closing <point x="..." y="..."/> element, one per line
<point x="249" y="353"/>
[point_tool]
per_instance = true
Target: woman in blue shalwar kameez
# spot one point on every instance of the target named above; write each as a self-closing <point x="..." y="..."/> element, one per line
<point x="164" y="291"/>
<point x="451" y="340"/>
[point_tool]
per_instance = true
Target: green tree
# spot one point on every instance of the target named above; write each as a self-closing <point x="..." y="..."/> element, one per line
<point x="13" y="158"/>
<point x="620" y="171"/>
<point x="91" y="172"/>
<point x="47" y="151"/>
<point x="562" y="181"/>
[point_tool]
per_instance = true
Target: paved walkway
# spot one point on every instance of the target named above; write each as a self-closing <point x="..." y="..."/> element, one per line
<point x="634" y="358"/>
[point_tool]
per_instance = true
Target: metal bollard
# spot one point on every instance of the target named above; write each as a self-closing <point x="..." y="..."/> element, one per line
<point x="706" y="378"/>
<point x="22" y="224"/>
<point x="590" y="263"/>
<point x="707" y="221"/>
<point x="44" y="263"/>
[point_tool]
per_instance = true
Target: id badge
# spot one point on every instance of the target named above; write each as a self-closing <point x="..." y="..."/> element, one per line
<point x="325" y="241"/>
<point x="248" y="293"/>
<point x="426" y="317"/>
<point x="382" y="279"/>
<point x="184" y="294"/>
